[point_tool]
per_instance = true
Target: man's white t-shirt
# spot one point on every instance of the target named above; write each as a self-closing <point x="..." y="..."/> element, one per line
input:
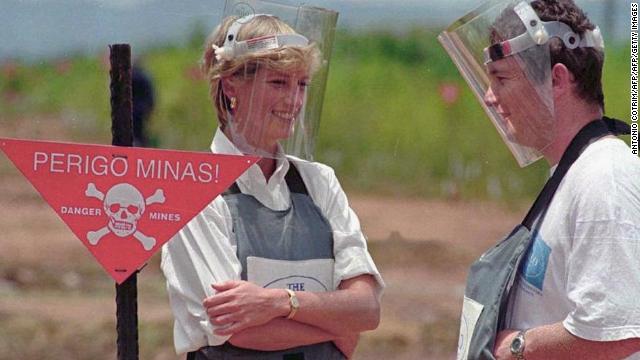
<point x="583" y="268"/>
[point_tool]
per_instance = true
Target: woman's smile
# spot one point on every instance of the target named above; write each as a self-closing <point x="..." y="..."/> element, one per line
<point x="284" y="115"/>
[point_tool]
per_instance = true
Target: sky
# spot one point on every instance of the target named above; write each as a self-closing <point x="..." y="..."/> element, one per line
<point x="36" y="29"/>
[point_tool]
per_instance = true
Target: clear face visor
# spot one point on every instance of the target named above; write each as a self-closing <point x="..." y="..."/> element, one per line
<point x="502" y="51"/>
<point x="275" y="98"/>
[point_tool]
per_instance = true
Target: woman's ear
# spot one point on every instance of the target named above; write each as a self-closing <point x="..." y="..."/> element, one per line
<point x="229" y="86"/>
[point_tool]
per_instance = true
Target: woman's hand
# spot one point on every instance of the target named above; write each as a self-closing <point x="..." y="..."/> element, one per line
<point x="241" y="304"/>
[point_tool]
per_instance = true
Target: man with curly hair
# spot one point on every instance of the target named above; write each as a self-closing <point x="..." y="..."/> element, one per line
<point x="567" y="279"/>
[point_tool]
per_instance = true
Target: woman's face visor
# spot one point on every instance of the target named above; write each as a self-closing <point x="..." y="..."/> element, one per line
<point x="275" y="100"/>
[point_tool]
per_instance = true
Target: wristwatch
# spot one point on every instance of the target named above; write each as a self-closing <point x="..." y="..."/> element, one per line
<point x="294" y="304"/>
<point x="517" y="346"/>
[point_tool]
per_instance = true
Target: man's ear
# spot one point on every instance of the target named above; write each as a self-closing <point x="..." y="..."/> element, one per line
<point x="563" y="80"/>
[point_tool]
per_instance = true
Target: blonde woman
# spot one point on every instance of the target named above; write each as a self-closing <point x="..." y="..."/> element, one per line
<point x="277" y="267"/>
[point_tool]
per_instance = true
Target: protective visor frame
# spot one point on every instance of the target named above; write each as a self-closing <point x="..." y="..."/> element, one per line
<point x="539" y="33"/>
<point x="526" y="121"/>
<point x="232" y="48"/>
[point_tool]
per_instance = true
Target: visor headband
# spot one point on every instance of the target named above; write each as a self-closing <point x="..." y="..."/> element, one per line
<point x="233" y="48"/>
<point x="538" y="33"/>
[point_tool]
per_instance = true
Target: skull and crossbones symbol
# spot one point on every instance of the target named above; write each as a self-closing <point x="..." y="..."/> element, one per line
<point x="124" y="205"/>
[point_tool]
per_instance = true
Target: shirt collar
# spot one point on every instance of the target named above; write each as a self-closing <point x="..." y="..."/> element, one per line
<point x="221" y="144"/>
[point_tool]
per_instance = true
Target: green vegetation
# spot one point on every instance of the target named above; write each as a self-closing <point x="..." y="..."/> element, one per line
<point x="386" y="126"/>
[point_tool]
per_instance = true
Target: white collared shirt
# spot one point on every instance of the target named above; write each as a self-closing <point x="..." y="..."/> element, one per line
<point x="204" y="251"/>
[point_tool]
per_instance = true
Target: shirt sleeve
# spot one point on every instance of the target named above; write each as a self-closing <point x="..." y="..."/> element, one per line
<point x="603" y="266"/>
<point x="201" y="254"/>
<point x="349" y="243"/>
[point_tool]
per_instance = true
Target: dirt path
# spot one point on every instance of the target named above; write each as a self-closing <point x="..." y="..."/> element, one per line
<point x="467" y="224"/>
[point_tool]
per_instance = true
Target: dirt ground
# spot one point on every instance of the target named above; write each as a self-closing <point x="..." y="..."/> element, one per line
<point x="53" y="294"/>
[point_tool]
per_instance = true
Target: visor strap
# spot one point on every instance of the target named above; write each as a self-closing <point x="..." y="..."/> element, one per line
<point x="233" y="48"/>
<point x="232" y="33"/>
<point x="539" y="33"/>
<point x="592" y="38"/>
<point x="535" y="28"/>
<point x="535" y="35"/>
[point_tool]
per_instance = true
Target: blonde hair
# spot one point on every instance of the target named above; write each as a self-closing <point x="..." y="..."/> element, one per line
<point x="282" y="59"/>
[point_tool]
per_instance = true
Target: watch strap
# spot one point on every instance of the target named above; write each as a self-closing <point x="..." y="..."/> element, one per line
<point x="519" y="354"/>
<point x="294" y="305"/>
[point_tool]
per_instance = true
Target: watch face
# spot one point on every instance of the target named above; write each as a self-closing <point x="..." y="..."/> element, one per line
<point x="294" y="302"/>
<point x="517" y="344"/>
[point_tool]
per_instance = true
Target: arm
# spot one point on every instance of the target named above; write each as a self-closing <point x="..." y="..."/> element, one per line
<point x="347" y="345"/>
<point x="360" y="282"/>
<point x="554" y="342"/>
<point x="190" y="264"/>
<point x="280" y="334"/>
<point x="353" y="308"/>
<point x="239" y="305"/>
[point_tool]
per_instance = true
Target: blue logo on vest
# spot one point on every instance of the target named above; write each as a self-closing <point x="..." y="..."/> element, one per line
<point x="535" y="265"/>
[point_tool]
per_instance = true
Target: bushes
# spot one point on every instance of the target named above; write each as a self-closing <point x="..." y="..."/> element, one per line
<point x="397" y="118"/>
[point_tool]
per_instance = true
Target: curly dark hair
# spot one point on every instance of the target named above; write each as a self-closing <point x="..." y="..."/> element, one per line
<point x="584" y="63"/>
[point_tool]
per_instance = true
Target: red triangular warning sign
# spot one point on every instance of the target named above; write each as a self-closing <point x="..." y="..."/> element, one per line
<point x="123" y="203"/>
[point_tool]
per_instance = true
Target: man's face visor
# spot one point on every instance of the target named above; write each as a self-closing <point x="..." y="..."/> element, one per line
<point x="502" y="51"/>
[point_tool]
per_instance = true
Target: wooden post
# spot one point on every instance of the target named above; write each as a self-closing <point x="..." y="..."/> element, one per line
<point x="122" y="135"/>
